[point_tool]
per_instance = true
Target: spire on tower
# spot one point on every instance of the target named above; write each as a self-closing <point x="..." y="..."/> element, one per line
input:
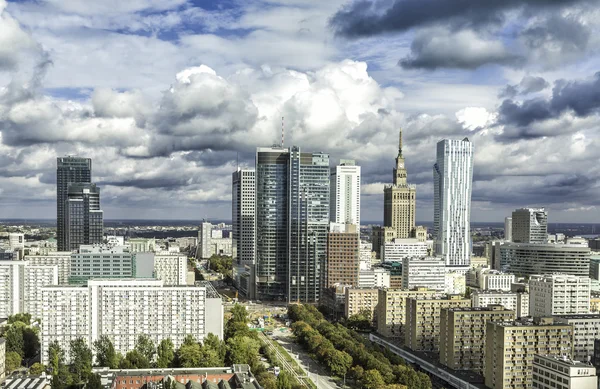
<point x="400" y="143"/>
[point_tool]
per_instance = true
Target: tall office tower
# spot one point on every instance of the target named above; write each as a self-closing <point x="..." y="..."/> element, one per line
<point x="343" y="256"/>
<point x="345" y="193"/>
<point x="204" y="250"/>
<point x="530" y="225"/>
<point x="84" y="221"/>
<point x="508" y="229"/>
<point x="292" y="219"/>
<point x="510" y="348"/>
<point x="400" y="200"/>
<point x="243" y="216"/>
<point x="452" y="183"/>
<point x="68" y="170"/>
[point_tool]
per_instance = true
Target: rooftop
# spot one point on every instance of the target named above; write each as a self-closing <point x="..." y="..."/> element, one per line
<point x="592" y="316"/>
<point x="564" y="360"/>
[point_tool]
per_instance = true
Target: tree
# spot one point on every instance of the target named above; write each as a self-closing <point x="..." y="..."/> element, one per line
<point x="372" y="379"/>
<point x="12" y="361"/>
<point x="267" y="380"/>
<point x="209" y="357"/>
<point x="166" y="353"/>
<point x="242" y="350"/>
<point x="284" y="381"/>
<point x="37" y="369"/>
<point x="56" y="357"/>
<point x="106" y="356"/>
<point x="95" y="382"/>
<point x="213" y="342"/>
<point x="31" y="342"/>
<point x="14" y="339"/>
<point x="145" y="346"/>
<point x="81" y="360"/>
<point x="24" y="318"/>
<point x="135" y="360"/>
<point x="239" y="314"/>
<point x="338" y="362"/>
<point x="189" y="354"/>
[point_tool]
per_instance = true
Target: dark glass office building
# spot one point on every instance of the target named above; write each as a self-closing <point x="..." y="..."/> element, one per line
<point x="292" y="218"/>
<point x="84" y="219"/>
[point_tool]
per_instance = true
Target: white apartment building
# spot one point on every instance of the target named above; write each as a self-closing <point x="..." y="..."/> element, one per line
<point x="16" y="242"/>
<point x="398" y="249"/>
<point x="485" y="278"/>
<point x="221" y="246"/>
<point x="558" y="372"/>
<point x="345" y="193"/>
<point x="374" y="278"/>
<point x="559" y="294"/>
<point x="455" y="283"/>
<point x="20" y="287"/>
<point x="243" y="208"/>
<point x="508" y="229"/>
<point x="124" y="309"/>
<point x="365" y="255"/>
<point x="452" y="185"/>
<point x="170" y="268"/>
<point x="141" y="245"/>
<point x="518" y="302"/>
<point x="586" y="329"/>
<point x="61" y="259"/>
<point x="204" y="250"/>
<point x="428" y="272"/>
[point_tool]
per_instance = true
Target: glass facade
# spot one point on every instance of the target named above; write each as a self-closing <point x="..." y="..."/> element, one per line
<point x="68" y="170"/>
<point x="84" y="219"/>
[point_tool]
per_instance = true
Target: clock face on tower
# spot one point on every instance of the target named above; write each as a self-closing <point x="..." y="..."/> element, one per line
<point x="401" y="165"/>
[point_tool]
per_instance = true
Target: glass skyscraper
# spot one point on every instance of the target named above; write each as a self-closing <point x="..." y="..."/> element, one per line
<point x="84" y="219"/>
<point x="68" y="170"/>
<point x="292" y="217"/>
<point x="452" y="185"/>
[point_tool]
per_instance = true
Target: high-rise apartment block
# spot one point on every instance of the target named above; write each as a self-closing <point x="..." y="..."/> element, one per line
<point x="20" y="287"/>
<point x="358" y="300"/>
<point x="343" y="261"/>
<point x="171" y="268"/>
<point x="559" y="294"/>
<point x="452" y="185"/>
<point x="510" y="348"/>
<point x="508" y="229"/>
<point x="204" y="250"/>
<point x="243" y="216"/>
<point x="586" y="329"/>
<point x="530" y="225"/>
<point x="525" y="259"/>
<point x="391" y="310"/>
<point x="345" y="193"/>
<point x="69" y="170"/>
<point x="84" y="219"/>
<point x="125" y="309"/>
<point x="425" y="272"/>
<point x="462" y="335"/>
<point x="400" y="200"/>
<point x="514" y="301"/>
<point x="423" y="320"/>
<point x="60" y="259"/>
<point x="555" y="371"/>
<point x="292" y="221"/>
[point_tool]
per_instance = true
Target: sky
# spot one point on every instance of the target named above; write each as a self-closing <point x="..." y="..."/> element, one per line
<point x="168" y="96"/>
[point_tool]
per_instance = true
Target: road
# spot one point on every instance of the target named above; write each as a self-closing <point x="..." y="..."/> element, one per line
<point x="315" y="372"/>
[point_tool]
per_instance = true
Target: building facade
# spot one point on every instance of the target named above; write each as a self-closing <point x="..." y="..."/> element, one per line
<point x="452" y="185"/>
<point x="374" y="278"/>
<point x="60" y="259"/>
<point x="204" y="250"/>
<point x="101" y="261"/>
<point x="343" y="256"/>
<point x="398" y="249"/>
<point x="400" y="199"/>
<point x="423" y="321"/>
<point x="560" y="372"/>
<point x="345" y="193"/>
<point x="426" y="272"/>
<point x="530" y="225"/>
<point x="510" y="348"/>
<point x="559" y="294"/>
<point x="358" y="300"/>
<point x="508" y="229"/>
<point x="525" y="259"/>
<point x="69" y="170"/>
<point x="123" y="310"/>
<point x="461" y="333"/>
<point x="243" y="216"/>
<point x="514" y="301"/>
<point x="586" y="329"/>
<point x="292" y="220"/>
<point x="84" y="220"/>
<point x="170" y="268"/>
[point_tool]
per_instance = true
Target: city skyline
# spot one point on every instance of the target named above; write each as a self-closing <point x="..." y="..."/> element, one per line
<point x="341" y="90"/>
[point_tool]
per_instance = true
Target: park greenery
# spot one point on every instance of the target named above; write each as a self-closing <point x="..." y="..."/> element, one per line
<point x="345" y="352"/>
<point x="22" y="340"/>
<point x="222" y="264"/>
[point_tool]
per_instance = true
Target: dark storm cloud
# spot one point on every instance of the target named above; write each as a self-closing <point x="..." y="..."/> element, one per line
<point x="172" y="182"/>
<point x="565" y="33"/>
<point x="367" y="18"/>
<point x="529" y="84"/>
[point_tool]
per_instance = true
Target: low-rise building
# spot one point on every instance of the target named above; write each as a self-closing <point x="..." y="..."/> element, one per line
<point x="518" y="302"/>
<point x="391" y="309"/>
<point x="374" y="278"/>
<point x="559" y="294"/>
<point x="398" y="249"/>
<point x="462" y="335"/>
<point x="427" y="272"/>
<point x="29" y="382"/>
<point x="527" y="259"/>
<point x="510" y="348"/>
<point x="423" y="320"/>
<point x="358" y="300"/>
<point x="560" y="372"/>
<point x="100" y="261"/>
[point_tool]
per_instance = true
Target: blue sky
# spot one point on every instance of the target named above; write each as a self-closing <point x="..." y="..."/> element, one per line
<point x="163" y="94"/>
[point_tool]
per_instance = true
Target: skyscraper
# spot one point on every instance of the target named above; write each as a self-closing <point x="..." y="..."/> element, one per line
<point x="68" y="170"/>
<point x="345" y="193"/>
<point x="400" y="200"/>
<point x="508" y="229"/>
<point x="204" y="249"/>
<point x="530" y="225"/>
<point x="452" y="183"/>
<point x="243" y="218"/>
<point x="292" y="218"/>
<point x="84" y="220"/>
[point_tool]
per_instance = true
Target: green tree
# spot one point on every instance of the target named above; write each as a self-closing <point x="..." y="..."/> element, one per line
<point x="267" y="380"/>
<point x="81" y="361"/>
<point x="284" y="381"/>
<point x="372" y="379"/>
<point x="37" y="369"/>
<point x="14" y="339"/>
<point x="24" y="318"/>
<point x="95" y="382"/>
<point x="338" y="362"/>
<point x="213" y="342"/>
<point x="239" y="314"/>
<point x="242" y="350"/>
<point x="189" y="353"/>
<point x="209" y="357"/>
<point x="135" y="360"/>
<point x="56" y="358"/>
<point x="106" y="356"/>
<point x="12" y="360"/>
<point x="166" y="353"/>
<point x="146" y="347"/>
<point x="31" y="342"/>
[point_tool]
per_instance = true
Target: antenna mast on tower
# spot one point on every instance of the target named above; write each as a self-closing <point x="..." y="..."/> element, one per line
<point x="282" y="131"/>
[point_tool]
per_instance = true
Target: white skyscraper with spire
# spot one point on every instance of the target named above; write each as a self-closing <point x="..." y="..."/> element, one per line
<point x="452" y="185"/>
